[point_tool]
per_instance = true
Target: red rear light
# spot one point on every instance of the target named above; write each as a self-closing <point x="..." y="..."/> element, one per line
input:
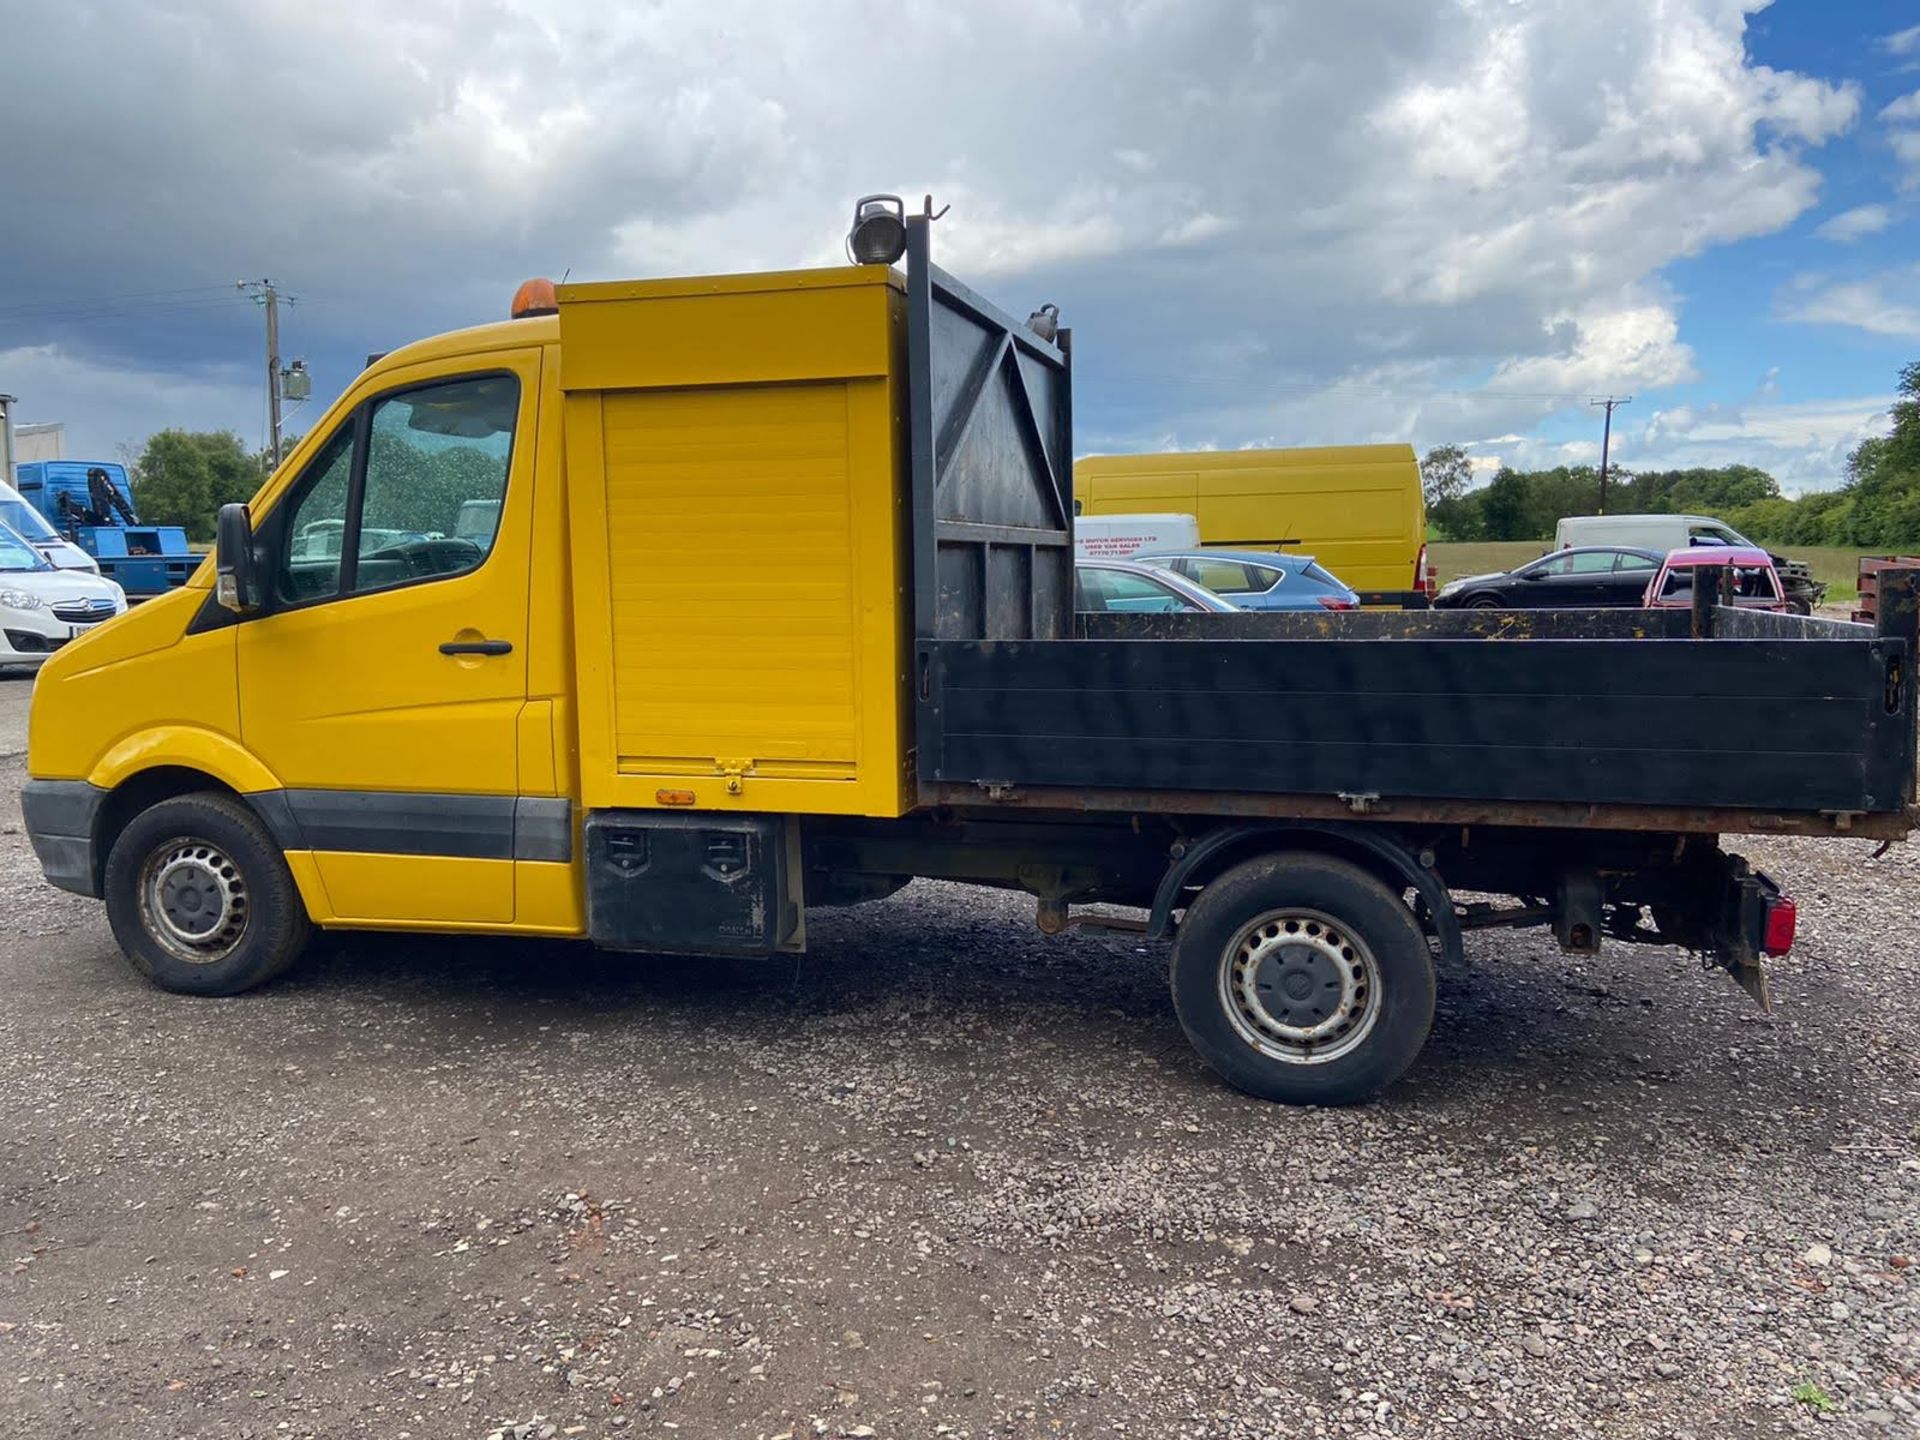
<point x="1423" y="574"/>
<point x="1782" y="920"/>
<point x="1335" y="602"/>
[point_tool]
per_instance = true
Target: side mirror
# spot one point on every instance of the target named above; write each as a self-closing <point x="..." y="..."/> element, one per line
<point x="1533" y="575"/>
<point x="235" y="587"/>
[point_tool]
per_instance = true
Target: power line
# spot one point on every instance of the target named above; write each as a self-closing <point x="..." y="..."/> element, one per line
<point x="38" y="307"/>
<point x="42" y="323"/>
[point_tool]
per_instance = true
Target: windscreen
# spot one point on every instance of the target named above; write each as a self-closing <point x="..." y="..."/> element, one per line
<point x="17" y="554"/>
<point x="28" y="522"/>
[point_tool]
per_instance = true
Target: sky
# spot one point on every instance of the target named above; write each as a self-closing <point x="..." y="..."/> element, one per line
<point x="1277" y="223"/>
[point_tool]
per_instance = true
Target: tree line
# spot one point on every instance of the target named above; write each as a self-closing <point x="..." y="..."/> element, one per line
<point x="1877" y="505"/>
<point x="183" y="477"/>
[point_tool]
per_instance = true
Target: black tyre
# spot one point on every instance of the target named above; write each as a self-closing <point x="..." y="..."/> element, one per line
<point x="200" y="897"/>
<point x="1483" y="602"/>
<point x="1301" y="978"/>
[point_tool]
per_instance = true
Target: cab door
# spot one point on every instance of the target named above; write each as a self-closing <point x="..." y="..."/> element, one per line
<point x="384" y="676"/>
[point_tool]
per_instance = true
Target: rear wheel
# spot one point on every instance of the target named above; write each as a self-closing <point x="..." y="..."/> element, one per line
<point x="200" y="897"/>
<point x="1301" y="978"/>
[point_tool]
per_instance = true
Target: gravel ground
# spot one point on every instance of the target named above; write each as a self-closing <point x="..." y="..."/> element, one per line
<point x="945" y="1176"/>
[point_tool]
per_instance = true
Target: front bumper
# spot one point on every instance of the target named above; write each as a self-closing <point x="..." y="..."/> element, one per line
<point x="28" y="637"/>
<point x="60" y="816"/>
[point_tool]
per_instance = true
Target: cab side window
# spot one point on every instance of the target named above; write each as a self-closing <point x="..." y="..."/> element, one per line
<point x="410" y="489"/>
<point x="434" y="454"/>
<point x="310" y="560"/>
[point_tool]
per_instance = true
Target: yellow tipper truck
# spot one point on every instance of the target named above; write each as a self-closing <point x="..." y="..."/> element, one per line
<point x="687" y="606"/>
<point x="1357" y="509"/>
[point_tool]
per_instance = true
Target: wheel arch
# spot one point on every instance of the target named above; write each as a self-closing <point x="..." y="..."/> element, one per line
<point x="140" y="791"/>
<point x="205" y="762"/>
<point x="221" y="758"/>
<point x="1381" y="854"/>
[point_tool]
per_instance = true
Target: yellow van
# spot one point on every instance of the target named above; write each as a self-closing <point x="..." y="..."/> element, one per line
<point x="1356" y="508"/>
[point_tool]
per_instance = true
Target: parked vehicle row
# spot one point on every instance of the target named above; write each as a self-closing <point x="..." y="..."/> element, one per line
<point x="89" y="503"/>
<point x="1208" y="581"/>
<point x="1589" y="577"/>
<point x="1592" y="577"/>
<point x="42" y="607"/>
<point x="1359" y="508"/>
<point x="1667" y="533"/>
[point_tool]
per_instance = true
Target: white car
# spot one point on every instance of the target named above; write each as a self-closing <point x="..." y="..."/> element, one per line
<point x="33" y="527"/>
<point x="42" y="608"/>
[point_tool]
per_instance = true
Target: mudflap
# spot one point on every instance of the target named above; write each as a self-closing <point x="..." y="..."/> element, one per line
<point x="1739" y="936"/>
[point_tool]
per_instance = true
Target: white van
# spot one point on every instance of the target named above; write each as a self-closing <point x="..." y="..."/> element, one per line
<point x="1121" y="537"/>
<point x="33" y="527"/>
<point x="1668" y="533"/>
<point x="1646" y="532"/>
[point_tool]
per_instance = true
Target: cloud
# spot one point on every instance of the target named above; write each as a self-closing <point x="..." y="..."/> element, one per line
<point x="1887" y="303"/>
<point x="1290" y="222"/>
<point x="1906" y="149"/>
<point x="1804" y="445"/>
<point x="1855" y="224"/>
<point x="1905" y="142"/>
<point x="109" y="409"/>
<point x="1902" y="42"/>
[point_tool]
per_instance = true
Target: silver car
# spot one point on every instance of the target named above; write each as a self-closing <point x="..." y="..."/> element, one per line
<point x="1129" y="587"/>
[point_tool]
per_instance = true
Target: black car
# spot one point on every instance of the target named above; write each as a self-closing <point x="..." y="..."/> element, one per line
<point x="1585" y="577"/>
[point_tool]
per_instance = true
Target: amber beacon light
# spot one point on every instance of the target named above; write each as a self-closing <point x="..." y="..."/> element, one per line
<point x="535" y="297"/>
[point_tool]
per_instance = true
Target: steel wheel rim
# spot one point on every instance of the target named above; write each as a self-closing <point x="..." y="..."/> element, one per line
<point x="193" y="901"/>
<point x="1300" y="987"/>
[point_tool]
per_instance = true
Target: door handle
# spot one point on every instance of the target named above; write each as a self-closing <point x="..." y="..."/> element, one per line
<point x="476" y="647"/>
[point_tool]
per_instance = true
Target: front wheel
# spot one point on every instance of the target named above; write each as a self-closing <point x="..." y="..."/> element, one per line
<point x="200" y="897"/>
<point x="1483" y="602"/>
<point x="1302" y="978"/>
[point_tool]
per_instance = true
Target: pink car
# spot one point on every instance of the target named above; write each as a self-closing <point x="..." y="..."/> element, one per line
<point x="1750" y="581"/>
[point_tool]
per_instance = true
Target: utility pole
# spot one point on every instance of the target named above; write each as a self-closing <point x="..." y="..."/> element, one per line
<point x="1611" y="403"/>
<point x="266" y="296"/>
<point x="7" y="403"/>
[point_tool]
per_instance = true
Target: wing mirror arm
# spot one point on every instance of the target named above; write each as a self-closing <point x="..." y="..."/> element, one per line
<point x="236" y="582"/>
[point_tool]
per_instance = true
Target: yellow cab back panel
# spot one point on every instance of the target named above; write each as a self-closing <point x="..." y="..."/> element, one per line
<point x="733" y="452"/>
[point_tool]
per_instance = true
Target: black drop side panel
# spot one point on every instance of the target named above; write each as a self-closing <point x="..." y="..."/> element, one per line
<point x="692" y="884"/>
<point x="1764" y="724"/>
<point x="990" y="424"/>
